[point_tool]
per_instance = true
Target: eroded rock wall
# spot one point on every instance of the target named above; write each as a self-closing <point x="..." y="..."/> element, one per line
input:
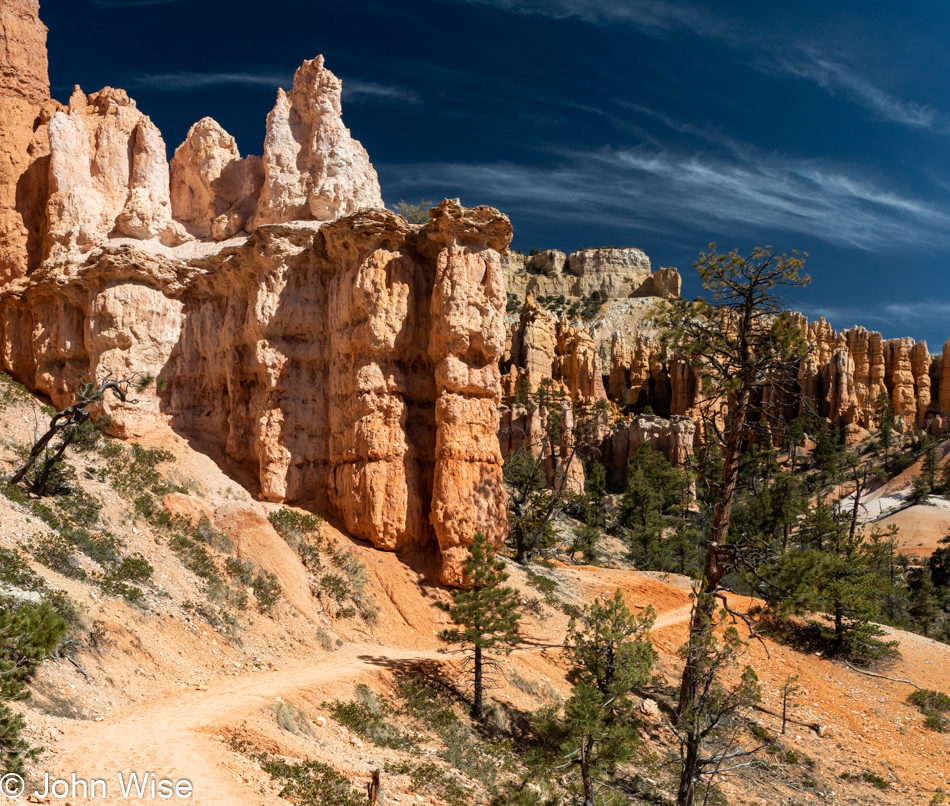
<point x="24" y="108"/>
<point x="611" y="273"/>
<point x="353" y="363"/>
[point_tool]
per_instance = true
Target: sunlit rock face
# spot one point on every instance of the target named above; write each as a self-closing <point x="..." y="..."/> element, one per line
<point x="313" y="168"/>
<point x="352" y="363"/>
<point x="347" y="358"/>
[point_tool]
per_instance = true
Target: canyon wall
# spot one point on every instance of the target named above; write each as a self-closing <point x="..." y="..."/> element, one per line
<point x="610" y="272"/>
<point x="345" y="357"/>
<point x="843" y="377"/>
<point x="352" y="364"/>
<point x="25" y="107"/>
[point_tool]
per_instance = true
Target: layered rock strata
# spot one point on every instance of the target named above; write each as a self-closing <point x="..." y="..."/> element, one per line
<point x="612" y="273"/>
<point x="353" y="363"/>
<point x="24" y="148"/>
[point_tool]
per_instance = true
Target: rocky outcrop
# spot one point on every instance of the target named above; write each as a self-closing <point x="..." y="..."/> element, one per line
<point x="24" y="108"/>
<point x="353" y="363"/>
<point x="313" y="168"/>
<point x="665" y="283"/>
<point x="672" y="437"/>
<point x="108" y="176"/>
<point x="213" y="191"/>
<point x="611" y="273"/>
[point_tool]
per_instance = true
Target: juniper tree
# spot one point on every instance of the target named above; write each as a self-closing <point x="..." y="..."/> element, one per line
<point x="485" y="612"/>
<point x="67" y="425"/>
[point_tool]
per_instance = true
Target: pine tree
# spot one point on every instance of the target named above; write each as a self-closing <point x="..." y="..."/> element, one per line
<point x="655" y="502"/>
<point x="485" y="612"/>
<point x="609" y="647"/>
<point x="924" y="606"/>
<point x="711" y="707"/>
<point x="931" y="464"/>
<point x="611" y="654"/>
<point x="886" y="426"/>
<point x="28" y="634"/>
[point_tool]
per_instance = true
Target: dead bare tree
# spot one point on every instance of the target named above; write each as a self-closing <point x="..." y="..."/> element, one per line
<point x="64" y="422"/>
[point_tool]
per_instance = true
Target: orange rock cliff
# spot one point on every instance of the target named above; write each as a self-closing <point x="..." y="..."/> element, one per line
<point x="348" y="358"/>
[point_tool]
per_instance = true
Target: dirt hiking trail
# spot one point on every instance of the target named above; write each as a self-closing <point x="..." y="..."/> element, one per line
<point x="178" y="735"/>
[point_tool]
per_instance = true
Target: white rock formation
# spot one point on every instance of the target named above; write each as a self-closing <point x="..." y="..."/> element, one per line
<point x="108" y="175"/>
<point x="313" y="168"/>
<point x="213" y="190"/>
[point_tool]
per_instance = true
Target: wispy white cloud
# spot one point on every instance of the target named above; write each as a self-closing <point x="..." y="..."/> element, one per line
<point x="354" y="90"/>
<point x="834" y="76"/>
<point x="772" y="53"/>
<point x="357" y="91"/>
<point x="186" y="81"/>
<point x="650" y="188"/>
<point x="649" y="16"/>
<point x="913" y="311"/>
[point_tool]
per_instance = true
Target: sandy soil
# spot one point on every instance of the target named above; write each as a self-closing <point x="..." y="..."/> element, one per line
<point x="153" y="688"/>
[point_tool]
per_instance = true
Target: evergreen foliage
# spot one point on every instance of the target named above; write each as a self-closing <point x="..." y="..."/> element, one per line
<point x="594" y="731"/>
<point x="28" y="634"/>
<point x="414" y="213"/>
<point x="485" y="613"/>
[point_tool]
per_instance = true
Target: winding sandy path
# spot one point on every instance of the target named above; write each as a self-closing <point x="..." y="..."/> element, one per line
<point x="173" y="735"/>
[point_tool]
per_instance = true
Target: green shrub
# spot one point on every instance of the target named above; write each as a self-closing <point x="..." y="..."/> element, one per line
<point x="28" y="633"/>
<point x="13" y="393"/>
<point x="928" y="700"/>
<point x="364" y="716"/>
<point x="427" y="776"/>
<point x="289" y="523"/>
<point x="335" y="585"/>
<point x="937" y="723"/>
<point x="431" y="707"/>
<point x="309" y="783"/>
<point x="932" y="704"/>
<point x="266" y="591"/>
<point x="56" y="553"/>
<point x="241" y="570"/>
<point x="876" y="780"/>
<point x="546" y="587"/>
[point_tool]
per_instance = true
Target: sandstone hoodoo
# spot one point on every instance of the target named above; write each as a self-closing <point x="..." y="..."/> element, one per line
<point x="352" y="363"/>
<point x="347" y="358"/>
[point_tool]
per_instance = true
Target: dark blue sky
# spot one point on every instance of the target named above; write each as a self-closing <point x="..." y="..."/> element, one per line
<point x="654" y="123"/>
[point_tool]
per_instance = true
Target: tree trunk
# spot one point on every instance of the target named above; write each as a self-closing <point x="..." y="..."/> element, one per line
<point x="41" y="443"/>
<point x="42" y="480"/>
<point x="477" y="709"/>
<point x="585" y="774"/>
<point x="854" y="511"/>
<point x="713" y="569"/>
<point x="687" y="791"/>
